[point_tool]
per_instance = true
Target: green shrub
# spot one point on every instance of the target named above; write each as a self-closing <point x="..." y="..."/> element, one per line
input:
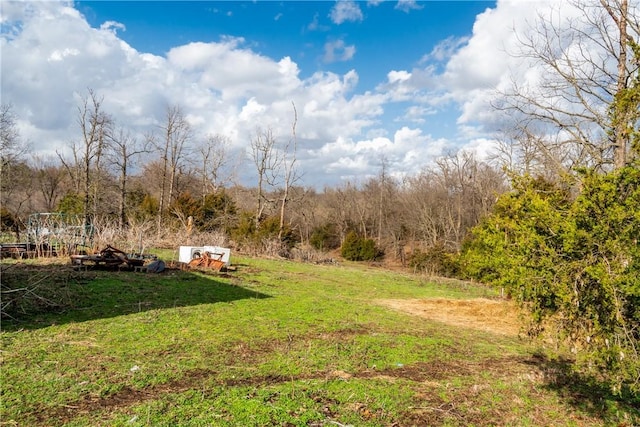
<point x="434" y="260"/>
<point x="325" y="237"/>
<point x="72" y="204"/>
<point x="267" y="232"/>
<point x="357" y="248"/>
<point x="8" y="221"/>
<point x="575" y="260"/>
<point x="218" y="211"/>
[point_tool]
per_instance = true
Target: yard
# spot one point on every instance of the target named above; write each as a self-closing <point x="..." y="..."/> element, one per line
<point x="280" y="343"/>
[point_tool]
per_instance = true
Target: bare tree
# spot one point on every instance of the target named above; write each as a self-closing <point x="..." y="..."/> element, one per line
<point x="176" y="132"/>
<point x="13" y="174"/>
<point x="336" y="203"/>
<point x="124" y="147"/>
<point x="445" y="202"/>
<point x="621" y="136"/>
<point x="49" y="180"/>
<point x="73" y="166"/>
<point x="351" y="209"/>
<point x="583" y="64"/>
<point x="267" y="162"/>
<point x="382" y="185"/>
<point x="94" y="126"/>
<point x="290" y="171"/>
<point x="525" y="152"/>
<point x="11" y="145"/>
<point x="214" y="159"/>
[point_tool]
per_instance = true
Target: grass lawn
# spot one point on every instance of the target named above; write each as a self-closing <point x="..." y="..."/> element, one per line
<point x="276" y="343"/>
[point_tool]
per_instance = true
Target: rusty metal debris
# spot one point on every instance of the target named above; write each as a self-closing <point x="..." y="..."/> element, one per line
<point x="208" y="260"/>
<point x="111" y="257"/>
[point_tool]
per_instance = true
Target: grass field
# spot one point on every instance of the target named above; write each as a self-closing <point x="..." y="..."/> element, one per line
<point x="279" y="343"/>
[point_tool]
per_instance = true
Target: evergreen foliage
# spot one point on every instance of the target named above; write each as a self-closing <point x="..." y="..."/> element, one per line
<point x="573" y="261"/>
<point x="247" y="233"/>
<point x="325" y="237"/>
<point x="217" y="210"/>
<point x="148" y="208"/>
<point x="185" y="205"/>
<point x="436" y="260"/>
<point x="71" y="204"/>
<point x="357" y="248"/>
<point x="8" y="221"/>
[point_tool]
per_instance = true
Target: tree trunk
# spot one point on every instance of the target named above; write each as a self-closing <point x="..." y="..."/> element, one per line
<point x="620" y="126"/>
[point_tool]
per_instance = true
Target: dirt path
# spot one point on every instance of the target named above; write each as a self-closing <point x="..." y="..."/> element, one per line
<point x="495" y="316"/>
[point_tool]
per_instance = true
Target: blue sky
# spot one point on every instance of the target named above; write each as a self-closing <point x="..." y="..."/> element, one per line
<point x="407" y="81"/>
<point x="387" y="35"/>
<point x="384" y="35"/>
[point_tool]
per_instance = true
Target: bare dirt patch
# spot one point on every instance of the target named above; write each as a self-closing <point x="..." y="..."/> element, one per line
<point x="495" y="316"/>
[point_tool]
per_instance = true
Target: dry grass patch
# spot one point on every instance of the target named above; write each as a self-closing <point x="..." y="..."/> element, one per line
<point x="496" y="316"/>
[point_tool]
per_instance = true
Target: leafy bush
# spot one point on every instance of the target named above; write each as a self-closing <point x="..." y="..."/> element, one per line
<point x="573" y="260"/>
<point x="325" y="237"/>
<point x="434" y="260"/>
<point x="265" y="235"/>
<point x="72" y="204"/>
<point x="8" y="222"/>
<point x="357" y="248"/>
<point x="218" y="210"/>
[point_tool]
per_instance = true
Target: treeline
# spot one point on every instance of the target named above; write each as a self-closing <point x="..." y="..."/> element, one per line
<point x="181" y="197"/>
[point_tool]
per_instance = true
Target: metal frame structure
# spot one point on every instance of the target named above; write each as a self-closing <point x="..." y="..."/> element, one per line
<point x="58" y="233"/>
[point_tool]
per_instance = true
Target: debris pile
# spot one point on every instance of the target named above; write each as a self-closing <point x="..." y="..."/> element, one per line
<point x="208" y="260"/>
<point x="111" y="257"/>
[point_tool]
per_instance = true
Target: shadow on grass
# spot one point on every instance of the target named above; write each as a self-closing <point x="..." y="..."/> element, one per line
<point x="587" y="394"/>
<point x="37" y="296"/>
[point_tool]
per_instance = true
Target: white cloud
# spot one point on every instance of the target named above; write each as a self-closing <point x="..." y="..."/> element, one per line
<point x="417" y="113"/>
<point x="444" y="50"/>
<point x="483" y="149"/>
<point x="394" y="76"/>
<point x="224" y="87"/>
<point x="355" y="160"/>
<point x="489" y="62"/>
<point x="420" y="85"/>
<point x="315" y="25"/>
<point x="113" y="26"/>
<point x="345" y="10"/>
<point x="408" y="5"/>
<point x="337" y="50"/>
<point x="51" y="55"/>
<point x="469" y="73"/>
<point x="57" y="55"/>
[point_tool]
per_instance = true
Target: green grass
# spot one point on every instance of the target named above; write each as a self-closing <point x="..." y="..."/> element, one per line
<point x="274" y="343"/>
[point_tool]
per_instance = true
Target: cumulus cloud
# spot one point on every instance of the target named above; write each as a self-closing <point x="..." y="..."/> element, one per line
<point x="490" y="61"/>
<point x="406" y="152"/>
<point x="51" y="55"/>
<point x="417" y="113"/>
<point x="113" y="26"/>
<point x="346" y="11"/>
<point x="223" y="87"/>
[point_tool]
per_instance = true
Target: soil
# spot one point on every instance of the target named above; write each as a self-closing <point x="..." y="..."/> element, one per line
<point x="494" y="316"/>
<point x="425" y="373"/>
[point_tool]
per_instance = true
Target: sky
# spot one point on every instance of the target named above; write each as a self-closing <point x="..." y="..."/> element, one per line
<point x="400" y="82"/>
